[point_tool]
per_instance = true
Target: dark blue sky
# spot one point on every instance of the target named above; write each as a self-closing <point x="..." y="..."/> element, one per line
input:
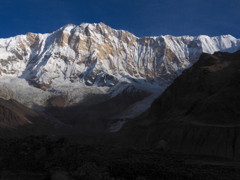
<point x="140" y="17"/>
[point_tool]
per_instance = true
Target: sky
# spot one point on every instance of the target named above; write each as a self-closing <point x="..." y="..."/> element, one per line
<point x="140" y="17"/>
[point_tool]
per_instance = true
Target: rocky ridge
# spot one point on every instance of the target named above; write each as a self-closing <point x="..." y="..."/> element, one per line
<point x="198" y="113"/>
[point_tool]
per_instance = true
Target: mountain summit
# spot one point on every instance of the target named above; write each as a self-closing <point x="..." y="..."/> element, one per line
<point x="76" y="62"/>
<point x="97" y="54"/>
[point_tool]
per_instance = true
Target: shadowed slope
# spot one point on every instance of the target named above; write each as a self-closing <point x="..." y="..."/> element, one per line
<point x="208" y="92"/>
<point x="15" y="114"/>
<point x="17" y="120"/>
<point x="198" y="113"/>
<point x="96" y="117"/>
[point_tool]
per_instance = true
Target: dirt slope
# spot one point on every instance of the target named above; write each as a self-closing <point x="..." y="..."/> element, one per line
<point x="17" y="120"/>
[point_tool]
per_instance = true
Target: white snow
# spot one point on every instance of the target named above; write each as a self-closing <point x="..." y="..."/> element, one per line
<point x="20" y="90"/>
<point x="117" y="126"/>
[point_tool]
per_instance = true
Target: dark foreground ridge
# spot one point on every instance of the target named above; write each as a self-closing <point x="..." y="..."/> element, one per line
<point x="199" y="113"/>
<point x="42" y="158"/>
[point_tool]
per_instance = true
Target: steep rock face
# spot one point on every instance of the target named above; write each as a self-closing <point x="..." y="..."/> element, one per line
<point x="98" y="54"/>
<point x="199" y="112"/>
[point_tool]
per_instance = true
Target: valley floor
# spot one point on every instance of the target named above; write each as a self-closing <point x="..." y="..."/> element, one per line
<point x="40" y="158"/>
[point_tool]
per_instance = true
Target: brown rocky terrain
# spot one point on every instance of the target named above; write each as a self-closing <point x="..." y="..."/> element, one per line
<point x="17" y="120"/>
<point x="199" y="113"/>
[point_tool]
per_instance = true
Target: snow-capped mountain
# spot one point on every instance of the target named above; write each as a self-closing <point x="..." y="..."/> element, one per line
<point x="98" y="54"/>
<point x="96" y="59"/>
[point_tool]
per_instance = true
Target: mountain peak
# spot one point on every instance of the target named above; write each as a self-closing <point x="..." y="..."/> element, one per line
<point x="97" y="55"/>
<point x="94" y="58"/>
